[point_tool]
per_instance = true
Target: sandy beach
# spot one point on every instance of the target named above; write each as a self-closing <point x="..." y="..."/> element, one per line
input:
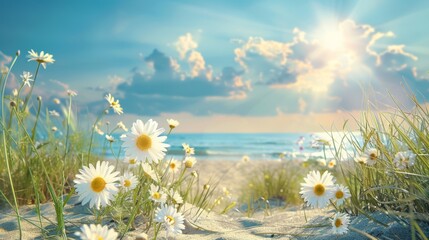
<point x="278" y="223"/>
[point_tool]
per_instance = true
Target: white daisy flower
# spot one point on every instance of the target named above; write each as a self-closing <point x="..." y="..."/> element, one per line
<point x="322" y="162"/>
<point x="4" y="70"/>
<point x="340" y="223"/>
<point x="98" y="130"/>
<point x="405" y="159"/>
<point x="54" y="129"/>
<point x="332" y="163"/>
<point x="27" y="78"/>
<point x="245" y="159"/>
<point x="71" y="93"/>
<point x="15" y="92"/>
<point x="372" y="155"/>
<point x="175" y="196"/>
<point x="96" y="232"/>
<point x="172" y="123"/>
<point x="110" y="138"/>
<point x="361" y="159"/>
<point x="128" y="181"/>
<point x="148" y="171"/>
<point x="189" y="161"/>
<point x="96" y="185"/>
<point x="157" y="195"/>
<point x="121" y="125"/>
<point x="56" y="101"/>
<point x="41" y="58"/>
<point x="114" y="104"/>
<point x="188" y="150"/>
<point x="317" y="189"/>
<point x="145" y="142"/>
<point x="173" y="166"/>
<point x="170" y="218"/>
<point x="53" y="113"/>
<point x="132" y="162"/>
<point x="341" y="193"/>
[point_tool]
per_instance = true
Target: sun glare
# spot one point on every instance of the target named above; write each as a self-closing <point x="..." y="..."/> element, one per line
<point x="330" y="38"/>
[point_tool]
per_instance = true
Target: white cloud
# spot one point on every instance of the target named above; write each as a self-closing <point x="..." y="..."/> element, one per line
<point x="185" y="44"/>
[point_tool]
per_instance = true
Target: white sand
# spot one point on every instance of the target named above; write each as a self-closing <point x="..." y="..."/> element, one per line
<point x="280" y="224"/>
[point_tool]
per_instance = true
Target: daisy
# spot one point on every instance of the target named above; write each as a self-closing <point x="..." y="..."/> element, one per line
<point x="157" y="195"/>
<point x="56" y="101"/>
<point x="110" y="138"/>
<point x="54" y="129"/>
<point x="340" y="223"/>
<point x="128" y="181"/>
<point x="132" y="162"/>
<point x="15" y="92"/>
<point x="27" y="78"/>
<point x="71" y="93"/>
<point x="188" y="150"/>
<point x="189" y="162"/>
<point x="317" y="189"/>
<point x="405" y="159"/>
<point x="172" y="123"/>
<point x="96" y="185"/>
<point x="4" y="70"/>
<point x="175" y="196"/>
<point x="170" y="218"/>
<point x="93" y="231"/>
<point x="121" y="125"/>
<point x="145" y="142"/>
<point x="41" y="58"/>
<point x="98" y="130"/>
<point x="372" y="156"/>
<point x="341" y="193"/>
<point x="173" y="166"/>
<point x="332" y="163"/>
<point x="246" y="159"/>
<point x="148" y="171"/>
<point x="53" y="113"/>
<point x="361" y="160"/>
<point x="114" y="104"/>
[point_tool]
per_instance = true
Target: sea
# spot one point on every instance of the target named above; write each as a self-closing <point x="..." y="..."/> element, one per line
<point x="256" y="146"/>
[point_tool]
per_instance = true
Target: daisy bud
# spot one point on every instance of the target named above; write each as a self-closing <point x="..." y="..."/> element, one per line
<point x="18" y="52"/>
<point x="12" y="103"/>
<point x="39" y="98"/>
<point x="206" y="186"/>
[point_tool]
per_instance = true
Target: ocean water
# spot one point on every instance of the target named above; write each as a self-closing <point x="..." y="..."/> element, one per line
<point x="258" y="146"/>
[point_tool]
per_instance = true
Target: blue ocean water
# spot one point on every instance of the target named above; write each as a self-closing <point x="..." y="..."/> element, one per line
<point x="233" y="146"/>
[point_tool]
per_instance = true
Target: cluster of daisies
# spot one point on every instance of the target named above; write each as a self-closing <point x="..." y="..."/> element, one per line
<point x="156" y="179"/>
<point x="401" y="160"/>
<point x="319" y="190"/>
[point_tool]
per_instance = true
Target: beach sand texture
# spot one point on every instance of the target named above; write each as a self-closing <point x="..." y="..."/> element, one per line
<point x="281" y="223"/>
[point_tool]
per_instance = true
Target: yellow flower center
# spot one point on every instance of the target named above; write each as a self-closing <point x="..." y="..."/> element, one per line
<point x="373" y="156"/>
<point x="132" y="161"/>
<point x="127" y="183"/>
<point x="188" y="164"/>
<point x="173" y="166"/>
<point x="144" y="142"/>
<point x="100" y="237"/>
<point x="319" y="189"/>
<point x="338" y="223"/>
<point x="156" y="195"/>
<point x="98" y="184"/>
<point x="169" y="219"/>
<point x="339" y="194"/>
<point x="172" y="126"/>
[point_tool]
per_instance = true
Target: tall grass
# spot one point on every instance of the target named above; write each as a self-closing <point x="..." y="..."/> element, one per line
<point x="397" y="181"/>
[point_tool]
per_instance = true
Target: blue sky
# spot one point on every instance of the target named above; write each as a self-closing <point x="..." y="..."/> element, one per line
<point x="241" y="61"/>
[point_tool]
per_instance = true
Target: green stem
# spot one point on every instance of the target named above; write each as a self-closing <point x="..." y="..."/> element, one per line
<point x="92" y="134"/>
<point x="5" y="143"/>
<point x="27" y="98"/>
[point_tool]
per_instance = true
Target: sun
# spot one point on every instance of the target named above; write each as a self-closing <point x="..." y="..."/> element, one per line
<point x="331" y="38"/>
